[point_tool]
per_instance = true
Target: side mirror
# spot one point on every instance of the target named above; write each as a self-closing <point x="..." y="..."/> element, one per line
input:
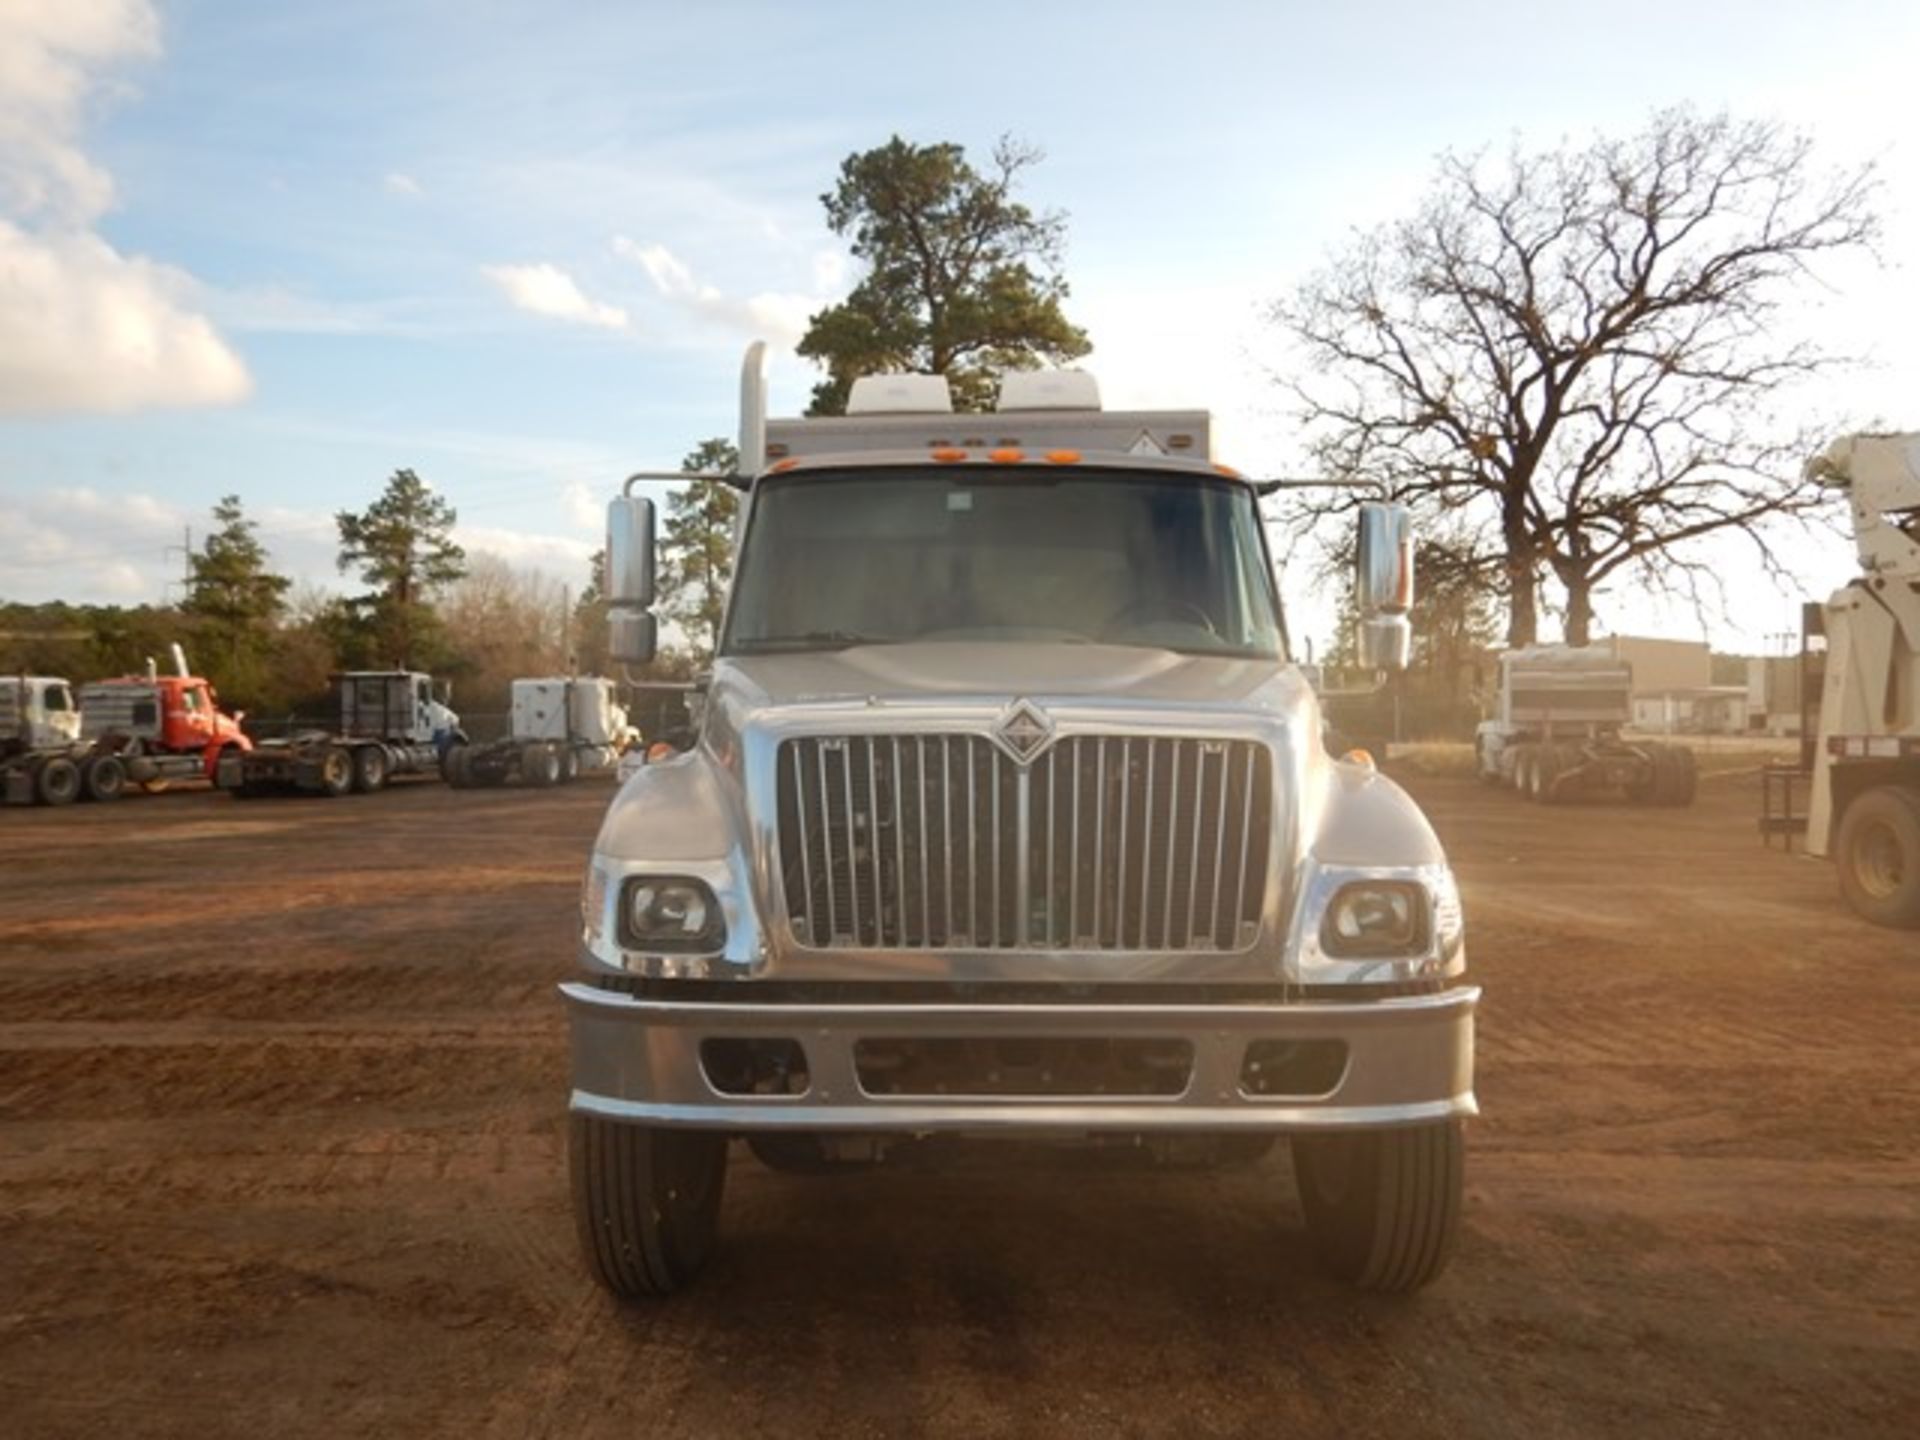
<point x="632" y="636"/>
<point x="1383" y="585"/>
<point x="629" y="577"/>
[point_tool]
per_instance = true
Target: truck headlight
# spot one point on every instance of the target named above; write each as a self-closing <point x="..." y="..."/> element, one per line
<point x="1376" y="920"/>
<point x="672" y="913"/>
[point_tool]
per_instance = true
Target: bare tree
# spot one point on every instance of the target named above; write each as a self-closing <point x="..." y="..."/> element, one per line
<point x="505" y="621"/>
<point x="1576" y="357"/>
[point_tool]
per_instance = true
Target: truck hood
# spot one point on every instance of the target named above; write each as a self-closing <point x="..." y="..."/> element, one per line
<point x="904" y="674"/>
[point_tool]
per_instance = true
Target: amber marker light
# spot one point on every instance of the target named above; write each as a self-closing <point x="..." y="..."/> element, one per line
<point x="1006" y="457"/>
<point x="949" y="455"/>
<point x="786" y="465"/>
<point x="1063" y="457"/>
<point x="1228" y="471"/>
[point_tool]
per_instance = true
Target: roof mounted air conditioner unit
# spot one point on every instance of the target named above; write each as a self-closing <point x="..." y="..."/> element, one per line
<point x="1048" y="390"/>
<point x="900" y="395"/>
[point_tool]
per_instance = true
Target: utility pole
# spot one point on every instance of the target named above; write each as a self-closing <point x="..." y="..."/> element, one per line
<point x="186" y="565"/>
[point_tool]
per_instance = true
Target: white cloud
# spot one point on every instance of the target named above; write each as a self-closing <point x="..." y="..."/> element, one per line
<point x="778" y="316"/>
<point x="548" y="290"/>
<point x="86" y="328"/>
<point x="556" y="554"/>
<point x="397" y="183"/>
<point x="75" y="543"/>
<point x="583" y="505"/>
<point x="91" y="329"/>
<point x="50" y="54"/>
<point x="87" y="545"/>
<point x="829" y="272"/>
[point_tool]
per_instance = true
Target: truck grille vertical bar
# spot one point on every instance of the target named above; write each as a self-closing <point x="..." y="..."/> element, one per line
<point x="1073" y="851"/>
<point x="947" y="834"/>
<point x="852" y="838"/>
<point x="1099" y="836"/>
<point x="1246" y="852"/>
<point x="806" y="915"/>
<point x="1219" y="853"/>
<point x="857" y="832"/>
<point x="1052" y="770"/>
<point x="973" y="844"/>
<point x="926" y="888"/>
<point x="826" y="841"/>
<point x="1147" y="808"/>
<point x="1173" y="840"/>
<point x="1120" y="876"/>
<point x="996" y="830"/>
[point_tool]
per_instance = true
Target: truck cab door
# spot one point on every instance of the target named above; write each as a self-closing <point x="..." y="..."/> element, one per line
<point x="196" y="718"/>
<point x="52" y="719"/>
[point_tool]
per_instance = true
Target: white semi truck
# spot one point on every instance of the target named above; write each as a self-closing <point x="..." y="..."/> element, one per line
<point x="1009" y="814"/>
<point x="561" y="726"/>
<point x="1864" y="806"/>
<point x="390" y="725"/>
<point x="42" y="759"/>
<point x="1557" y="733"/>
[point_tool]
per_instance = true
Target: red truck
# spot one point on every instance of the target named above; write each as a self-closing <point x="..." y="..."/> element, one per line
<point x="162" y="727"/>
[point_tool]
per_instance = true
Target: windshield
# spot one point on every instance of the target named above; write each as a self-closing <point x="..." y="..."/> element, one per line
<point x="886" y="556"/>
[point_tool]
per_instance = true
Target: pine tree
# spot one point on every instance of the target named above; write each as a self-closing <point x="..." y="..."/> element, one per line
<point x="696" y="547"/>
<point x="237" y="599"/>
<point x="402" y="547"/>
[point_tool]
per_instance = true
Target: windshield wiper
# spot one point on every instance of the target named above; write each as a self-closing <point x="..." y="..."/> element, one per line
<point x="808" y="640"/>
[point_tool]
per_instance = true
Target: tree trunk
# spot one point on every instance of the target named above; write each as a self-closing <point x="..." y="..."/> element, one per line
<point x="1523" y="613"/>
<point x="1579" y="609"/>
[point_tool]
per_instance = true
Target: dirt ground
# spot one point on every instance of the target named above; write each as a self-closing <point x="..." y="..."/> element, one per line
<point x="281" y="1153"/>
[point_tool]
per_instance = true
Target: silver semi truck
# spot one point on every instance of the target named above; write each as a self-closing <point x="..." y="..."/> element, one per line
<point x="1009" y="815"/>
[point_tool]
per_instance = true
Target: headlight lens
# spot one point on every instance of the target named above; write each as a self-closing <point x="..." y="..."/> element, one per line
<point x="1376" y="919"/>
<point x="672" y="913"/>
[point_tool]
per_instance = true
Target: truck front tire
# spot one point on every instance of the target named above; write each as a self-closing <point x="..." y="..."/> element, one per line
<point x="1383" y="1206"/>
<point x="1878" y="851"/>
<point x="646" y="1200"/>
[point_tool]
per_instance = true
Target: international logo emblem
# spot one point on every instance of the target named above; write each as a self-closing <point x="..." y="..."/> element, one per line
<point x="1024" y="731"/>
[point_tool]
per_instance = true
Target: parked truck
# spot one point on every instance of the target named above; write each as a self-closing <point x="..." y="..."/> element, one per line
<point x="42" y="759"/>
<point x="1008" y="814"/>
<point x="158" y="728"/>
<point x="561" y="726"/>
<point x="390" y="725"/>
<point x="1558" y="732"/>
<point x="1864" y="804"/>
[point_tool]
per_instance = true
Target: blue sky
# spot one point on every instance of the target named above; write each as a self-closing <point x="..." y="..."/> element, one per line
<point x="518" y="247"/>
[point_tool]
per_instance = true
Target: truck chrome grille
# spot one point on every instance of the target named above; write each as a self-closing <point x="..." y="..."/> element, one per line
<point x="1105" y="842"/>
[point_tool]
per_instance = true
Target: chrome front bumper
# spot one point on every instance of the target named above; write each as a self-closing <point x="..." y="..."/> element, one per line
<point x="1407" y="1060"/>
